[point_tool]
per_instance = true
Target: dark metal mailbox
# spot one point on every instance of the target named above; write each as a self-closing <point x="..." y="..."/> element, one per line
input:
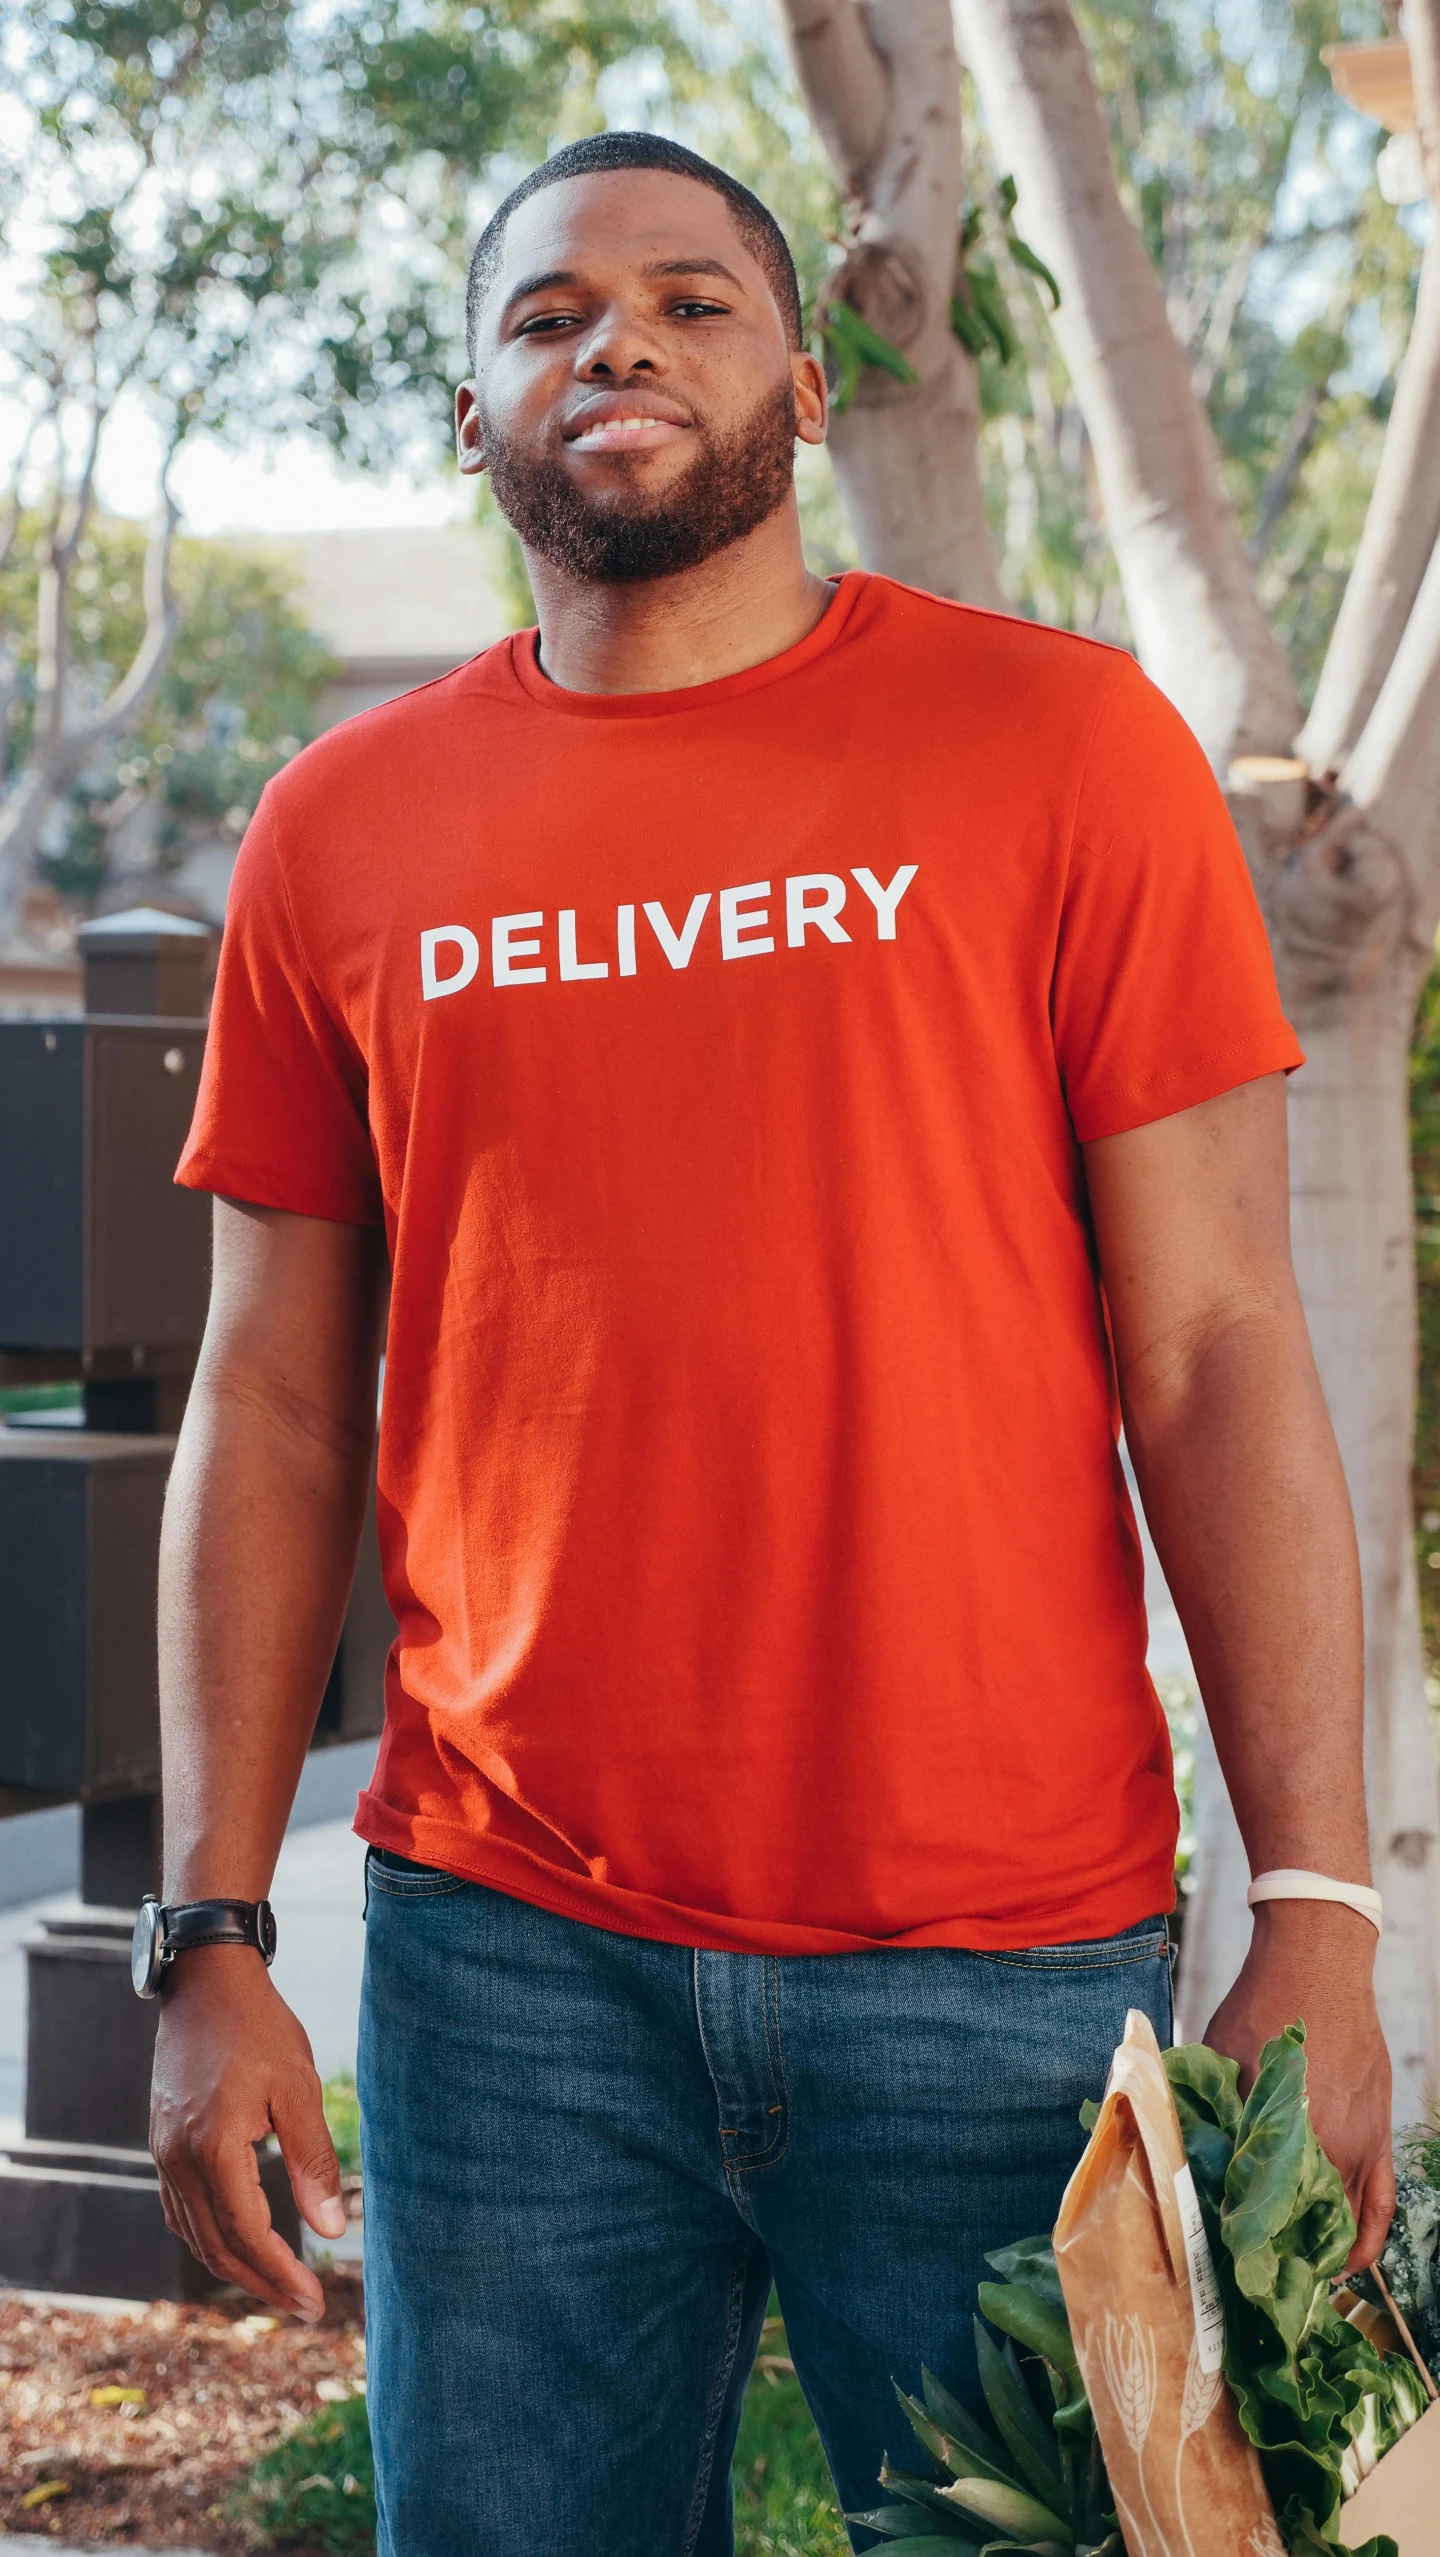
<point x="79" y="1542"/>
<point x="79" y="1552"/>
<point x="101" y="1252"/>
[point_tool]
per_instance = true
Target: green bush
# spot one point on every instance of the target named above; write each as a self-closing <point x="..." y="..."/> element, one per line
<point x="315" y="2486"/>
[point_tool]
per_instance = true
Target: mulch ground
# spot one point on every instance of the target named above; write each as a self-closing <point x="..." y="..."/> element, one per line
<point x="219" y="2385"/>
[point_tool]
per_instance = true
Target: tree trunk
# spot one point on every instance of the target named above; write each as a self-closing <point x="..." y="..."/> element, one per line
<point x="1189" y="586"/>
<point x="882" y="81"/>
<point x="1351" y="1217"/>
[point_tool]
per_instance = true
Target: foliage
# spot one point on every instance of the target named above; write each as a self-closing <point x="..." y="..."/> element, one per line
<point x="239" y="695"/>
<point x="784" y="2504"/>
<point x="1289" y="282"/>
<point x="1038" y="2478"/>
<point x="256" y="214"/>
<point x="1308" y="2386"/>
<point x="245" y="218"/>
<point x="342" y="2117"/>
<point x="979" y="311"/>
<point x="1410" y="2263"/>
<point x="316" y="2487"/>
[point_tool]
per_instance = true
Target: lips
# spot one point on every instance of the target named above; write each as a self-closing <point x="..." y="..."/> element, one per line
<point x="622" y="426"/>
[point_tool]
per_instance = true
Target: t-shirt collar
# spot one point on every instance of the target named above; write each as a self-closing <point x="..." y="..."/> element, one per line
<point x="524" y="667"/>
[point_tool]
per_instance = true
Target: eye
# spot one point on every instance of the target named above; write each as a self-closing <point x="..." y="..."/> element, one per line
<point x="692" y="308"/>
<point x="546" y="323"/>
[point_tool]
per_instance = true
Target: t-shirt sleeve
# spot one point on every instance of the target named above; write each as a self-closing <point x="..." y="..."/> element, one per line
<point x="1164" y="991"/>
<point x="281" y="1113"/>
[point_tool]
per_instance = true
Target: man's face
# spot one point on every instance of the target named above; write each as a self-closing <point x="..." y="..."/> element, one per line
<point x="637" y="399"/>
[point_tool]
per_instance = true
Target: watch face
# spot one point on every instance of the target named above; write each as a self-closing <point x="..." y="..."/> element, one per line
<point x="146" y="1947"/>
<point x="265" y="1930"/>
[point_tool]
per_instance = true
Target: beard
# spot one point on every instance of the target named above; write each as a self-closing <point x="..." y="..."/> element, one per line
<point x="732" y="484"/>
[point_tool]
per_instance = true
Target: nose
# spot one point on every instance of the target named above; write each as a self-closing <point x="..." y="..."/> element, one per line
<point x="618" y="347"/>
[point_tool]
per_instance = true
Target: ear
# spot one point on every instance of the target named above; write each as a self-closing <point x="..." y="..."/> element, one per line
<point x="469" y="446"/>
<point x="812" y="396"/>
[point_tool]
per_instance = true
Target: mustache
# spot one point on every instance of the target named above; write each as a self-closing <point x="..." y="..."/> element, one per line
<point x="731" y="485"/>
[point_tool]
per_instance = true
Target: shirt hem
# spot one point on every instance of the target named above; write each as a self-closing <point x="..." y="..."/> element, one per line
<point x="1142" y="1892"/>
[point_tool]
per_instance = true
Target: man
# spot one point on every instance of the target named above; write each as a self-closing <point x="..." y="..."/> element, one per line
<point x="750" y="1020"/>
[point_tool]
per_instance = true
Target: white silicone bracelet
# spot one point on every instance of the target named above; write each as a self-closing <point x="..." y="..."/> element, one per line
<point x="1290" y="1883"/>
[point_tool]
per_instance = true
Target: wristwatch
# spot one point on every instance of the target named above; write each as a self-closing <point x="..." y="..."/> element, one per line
<point x="161" y="1932"/>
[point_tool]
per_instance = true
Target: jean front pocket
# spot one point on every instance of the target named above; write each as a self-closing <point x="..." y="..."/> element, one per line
<point x="400" y="1879"/>
<point x="1149" y="1942"/>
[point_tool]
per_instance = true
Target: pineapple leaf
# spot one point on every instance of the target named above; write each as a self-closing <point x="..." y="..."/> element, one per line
<point x="902" y="2521"/>
<point x="954" y="2418"/>
<point x="1030" y="2443"/>
<point x="921" y="2491"/>
<point x="1020" y="2514"/>
<point x="949" y="2453"/>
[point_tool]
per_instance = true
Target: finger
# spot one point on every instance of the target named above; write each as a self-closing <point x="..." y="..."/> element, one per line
<point x="297" y="2111"/>
<point x="1377" y="2209"/>
<point x="177" y="2218"/>
<point x="232" y="2233"/>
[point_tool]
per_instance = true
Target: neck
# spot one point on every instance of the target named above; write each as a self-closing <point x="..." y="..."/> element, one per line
<point x="750" y="602"/>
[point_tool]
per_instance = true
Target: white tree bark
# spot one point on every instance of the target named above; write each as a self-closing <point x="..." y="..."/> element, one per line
<point x="883" y="84"/>
<point x="1347" y="878"/>
<point x="1188" y="584"/>
<point x="1402" y="524"/>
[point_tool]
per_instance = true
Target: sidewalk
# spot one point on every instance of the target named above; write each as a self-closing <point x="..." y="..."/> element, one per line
<point x="318" y="1894"/>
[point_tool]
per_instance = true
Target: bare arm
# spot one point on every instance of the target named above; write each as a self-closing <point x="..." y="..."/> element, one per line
<point x="1242" y="1485"/>
<point x="262" y="1524"/>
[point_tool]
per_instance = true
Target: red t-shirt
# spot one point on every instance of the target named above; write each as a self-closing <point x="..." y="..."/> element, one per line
<point x="717" y="1062"/>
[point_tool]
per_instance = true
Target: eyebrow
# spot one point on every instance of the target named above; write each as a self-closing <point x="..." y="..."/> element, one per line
<point x="540" y="283"/>
<point x="555" y="276"/>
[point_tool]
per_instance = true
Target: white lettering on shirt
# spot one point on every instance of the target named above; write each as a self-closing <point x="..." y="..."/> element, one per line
<point x="505" y="950"/>
<point x="742" y="922"/>
<point x="814" y="901"/>
<point x="677" y="948"/>
<point x="885" y="900"/>
<point x="571" y="967"/>
<point x="431" y="983"/>
<point x="799" y="912"/>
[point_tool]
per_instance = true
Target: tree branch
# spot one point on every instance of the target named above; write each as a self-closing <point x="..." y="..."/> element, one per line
<point x="883" y="85"/>
<point x="843" y="81"/>
<point x="1394" y="771"/>
<point x="1422" y="34"/>
<point x="1282" y="479"/>
<point x="1402" y="521"/>
<point x="1189" y="587"/>
<point x="162" y="621"/>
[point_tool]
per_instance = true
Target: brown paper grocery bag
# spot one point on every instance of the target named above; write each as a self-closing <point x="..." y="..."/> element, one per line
<point x="1402" y="2494"/>
<point x="1149" y="2330"/>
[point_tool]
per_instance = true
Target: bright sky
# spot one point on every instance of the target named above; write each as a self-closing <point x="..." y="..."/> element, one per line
<point x="293" y="487"/>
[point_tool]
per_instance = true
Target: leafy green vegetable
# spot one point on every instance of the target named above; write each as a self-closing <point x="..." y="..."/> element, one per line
<point x="1313" y="2394"/>
<point x="1411" y="2261"/>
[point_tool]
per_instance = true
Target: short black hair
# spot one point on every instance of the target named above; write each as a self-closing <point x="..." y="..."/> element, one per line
<point x="601" y="152"/>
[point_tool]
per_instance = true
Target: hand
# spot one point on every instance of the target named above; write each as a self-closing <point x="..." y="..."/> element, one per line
<point x="233" y="2064"/>
<point x="1313" y="1961"/>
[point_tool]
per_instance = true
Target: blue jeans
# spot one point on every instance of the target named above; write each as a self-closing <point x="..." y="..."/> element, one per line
<point x="588" y="2156"/>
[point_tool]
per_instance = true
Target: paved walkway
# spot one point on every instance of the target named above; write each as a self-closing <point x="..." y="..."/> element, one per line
<point x="318" y="1895"/>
